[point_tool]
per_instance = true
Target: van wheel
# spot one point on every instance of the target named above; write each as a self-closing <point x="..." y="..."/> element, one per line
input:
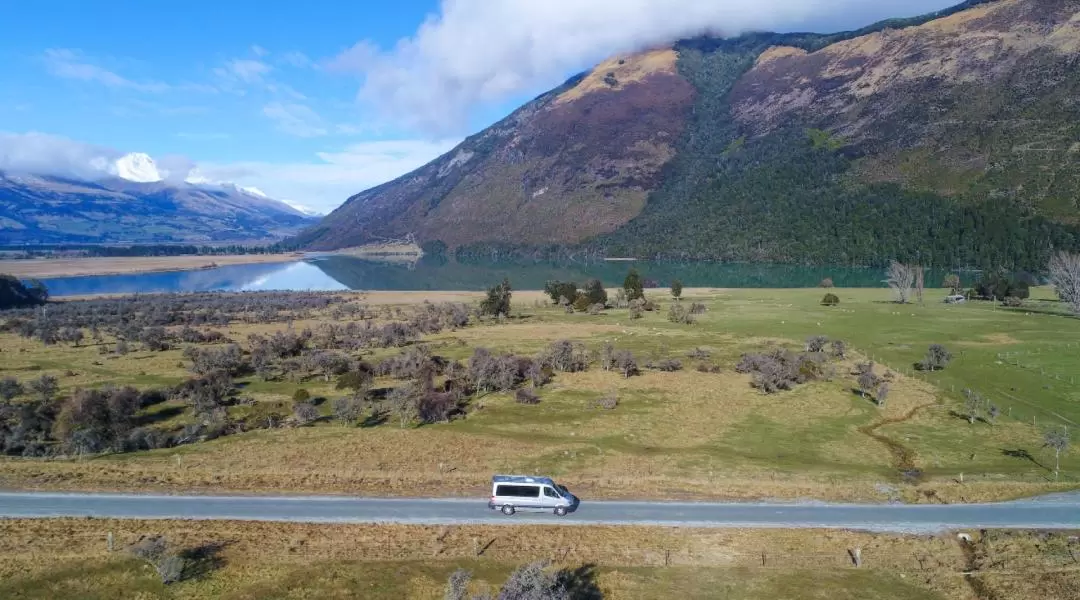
<point x="560" y="511"/>
<point x="507" y="510"/>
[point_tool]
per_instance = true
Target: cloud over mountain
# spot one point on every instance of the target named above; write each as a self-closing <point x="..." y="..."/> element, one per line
<point x="478" y="51"/>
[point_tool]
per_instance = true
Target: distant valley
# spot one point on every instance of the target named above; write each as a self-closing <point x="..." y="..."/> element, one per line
<point x="135" y="205"/>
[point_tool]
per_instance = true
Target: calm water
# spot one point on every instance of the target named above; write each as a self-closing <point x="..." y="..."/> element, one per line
<point x="346" y="273"/>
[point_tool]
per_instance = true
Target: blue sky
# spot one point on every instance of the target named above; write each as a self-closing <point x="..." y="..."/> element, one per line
<point x="315" y="101"/>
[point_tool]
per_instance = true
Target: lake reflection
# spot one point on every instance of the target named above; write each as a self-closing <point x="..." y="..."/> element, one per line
<point x="343" y="273"/>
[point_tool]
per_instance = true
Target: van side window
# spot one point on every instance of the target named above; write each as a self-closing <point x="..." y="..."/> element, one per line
<point x="517" y="491"/>
<point x="550" y="493"/>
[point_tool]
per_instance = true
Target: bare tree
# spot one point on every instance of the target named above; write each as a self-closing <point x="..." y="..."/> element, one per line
<point x="920" y="282"/>
<point x="457" y="588"/>
<point x="882" y="395"/>
<point x="1057" y="439"/>
<point x="155" y="551"/>
<point x="900" y="278"/>
<point x="952" y="283"/>
<point x="1065" y="277"/>
<point x="973" y="404"/>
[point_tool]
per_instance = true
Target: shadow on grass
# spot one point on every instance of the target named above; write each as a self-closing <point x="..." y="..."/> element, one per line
<point x="376" y="418"/>
<point x="580" y="583"/>
<point x="1024" y="455"/>
<point x="159" y="416"/>
<point x="202" y="560"/>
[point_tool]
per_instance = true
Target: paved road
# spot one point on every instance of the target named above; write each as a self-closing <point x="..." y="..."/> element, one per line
<point x="1059" y="512"/>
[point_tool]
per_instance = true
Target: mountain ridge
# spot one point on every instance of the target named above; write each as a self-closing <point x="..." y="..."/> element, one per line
<point x="139" y="208"/>
<point x="902" y="140"/>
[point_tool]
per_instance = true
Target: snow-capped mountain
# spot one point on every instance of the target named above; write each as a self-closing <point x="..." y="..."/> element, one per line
<point x="137" y="202"/>
<point x="137" y="167"/>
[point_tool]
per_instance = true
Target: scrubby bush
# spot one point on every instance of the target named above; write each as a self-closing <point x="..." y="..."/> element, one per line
<point x="782" y="369"/>
<point x="595" y="292"/>
<point x="937" y="358"/>
<point x="10" y="388"/>
<point x="608" y="401"/>
<point x="667" y="365"/>
<point x="680" y="314"/>
<point x="816" y="343"/>
<point x="626" y="363"/>
<point x="566" y="357"/>
<point x="305" y="412"/>
<point x="527" y="396"/>
<point x="838" y="349"/>
<point x="348" y="409"/>
<point x="830" y="300"/>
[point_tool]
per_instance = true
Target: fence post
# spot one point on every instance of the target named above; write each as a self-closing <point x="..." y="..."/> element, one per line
<point x="109" y="541"/>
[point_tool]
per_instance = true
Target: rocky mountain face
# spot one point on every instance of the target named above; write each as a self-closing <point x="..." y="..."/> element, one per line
<point x="37" y="209"/>
<point x="952" y="139"/>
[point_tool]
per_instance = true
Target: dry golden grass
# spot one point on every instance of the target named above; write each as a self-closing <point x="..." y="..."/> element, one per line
<point x="70" y="557"/>
<point x="674" y="435"/>
<point x="65" y="267"/>
<point x="626" y="69"/>
<point x="254" y="554"/>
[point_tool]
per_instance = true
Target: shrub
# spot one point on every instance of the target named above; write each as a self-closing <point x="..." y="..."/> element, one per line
<point x="10" y="388"/>
<point x="637" y="309"/>
<point x="581" y="302"/>
<point x="305" y="412"/>
<point x="937" y="358"/>
<point x="301" y="395"/>
<point x="667" y="365"/>
<point x="826" y="283"/>
<point x="698" y="308"/>
<point x="1013" y="302"/>
<point x="348" y="409"/>
<point x="676" y="289"/>
<point x="626" y="363"/>
<point x="699" y="354"/>
<point x="595" y="292"/>
<point x="15" y="294"/>
<point x="782" y="369"/>
<point x="704" y="367"/>
<point x="838" y="349"/>
<point x="952" y="283"/>
<point x="561" y="292"/>
<point x="566" y="356"/>
<point x="497" y="301"/>
<point x="830" y="300"/>
<point x="527" y="396"/>
<point x="816" y="343"/>
<point x="680" y="314"/>
<point x="634" y="286"/>
<point x="608" y="401"/>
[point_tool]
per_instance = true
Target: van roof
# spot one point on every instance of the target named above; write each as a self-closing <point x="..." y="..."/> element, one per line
<point x="522" y="479"/>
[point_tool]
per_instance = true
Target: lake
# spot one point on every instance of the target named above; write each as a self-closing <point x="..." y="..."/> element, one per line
<point x="348" y="273"/>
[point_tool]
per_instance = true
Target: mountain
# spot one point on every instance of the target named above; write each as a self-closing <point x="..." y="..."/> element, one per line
<point x="132" y="203"/>
<point x="951" y="139"/>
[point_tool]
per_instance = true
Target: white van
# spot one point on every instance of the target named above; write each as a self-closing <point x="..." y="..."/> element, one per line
<point x="511" y="493"/>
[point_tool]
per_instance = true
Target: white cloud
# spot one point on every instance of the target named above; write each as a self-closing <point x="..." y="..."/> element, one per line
<point x="258" y="50"/>
<point x="243" y="70"/>
<point x="44" y="154"/>
<point x="296" y="59"/>
<point x="295" y="119"/>
<point x="480" y="51"/>
<point x="323" y="183"/>
<point x="335" y="176"/>
<point x="70" y="64"/>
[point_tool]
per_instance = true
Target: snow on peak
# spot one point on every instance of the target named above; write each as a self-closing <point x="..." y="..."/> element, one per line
<point x="254" y="191"/>
<point x="137" y="167"/>
<point x="307" y="210"/>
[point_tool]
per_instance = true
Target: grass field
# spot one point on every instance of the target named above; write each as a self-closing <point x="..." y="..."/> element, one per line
<point x="69" y="558"/>
<point x="684" y="434"/>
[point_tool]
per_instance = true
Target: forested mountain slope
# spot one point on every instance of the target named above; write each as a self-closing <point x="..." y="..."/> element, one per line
<point x="952" y="140"/>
